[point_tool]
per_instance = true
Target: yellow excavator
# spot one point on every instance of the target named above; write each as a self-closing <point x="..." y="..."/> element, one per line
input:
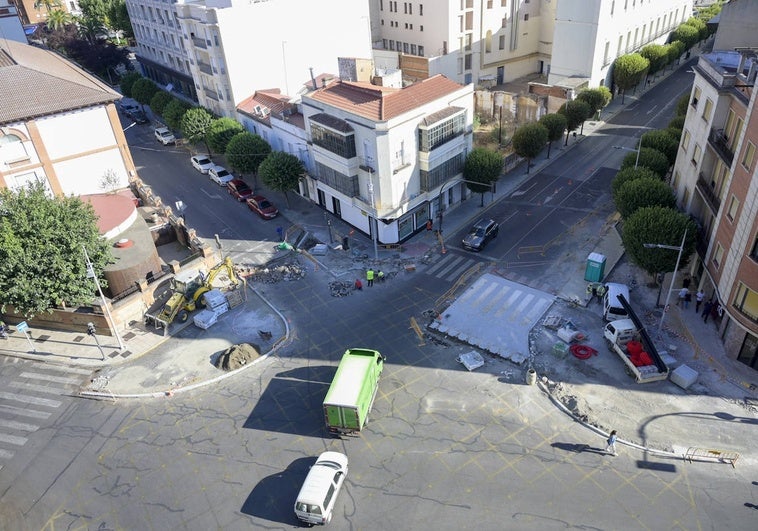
<point x="188" y="289"/>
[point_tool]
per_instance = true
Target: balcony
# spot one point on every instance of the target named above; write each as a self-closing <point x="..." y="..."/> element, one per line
<point x="200" y="43"/>
<point x="705" y="187"/>
<point x="212" y="94"/>
<point x="720" y="144"/>
<point x="205" y="68"/>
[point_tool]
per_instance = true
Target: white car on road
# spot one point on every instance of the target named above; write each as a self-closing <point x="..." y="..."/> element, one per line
<point x="220" y="175"/>
<point x="202" y="162"/>
<point x="164" y="136"/>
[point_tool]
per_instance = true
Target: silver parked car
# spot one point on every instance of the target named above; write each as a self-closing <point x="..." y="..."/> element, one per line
<point x="220" y="175"/>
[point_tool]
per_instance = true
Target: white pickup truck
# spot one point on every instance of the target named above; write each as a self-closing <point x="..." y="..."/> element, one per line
<point x="618" y="334"/>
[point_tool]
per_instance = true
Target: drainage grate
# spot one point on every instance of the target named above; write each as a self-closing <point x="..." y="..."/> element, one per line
<point x="41" y="339"/>
<point x="78" y="339"/>
<point x="128" y="336"/>
<point x="126" y="354"/>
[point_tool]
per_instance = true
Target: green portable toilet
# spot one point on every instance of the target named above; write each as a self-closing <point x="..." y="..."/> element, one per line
<point x="595" y="267"/>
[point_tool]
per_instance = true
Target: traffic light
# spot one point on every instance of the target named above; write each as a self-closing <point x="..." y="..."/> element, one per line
<point x="90" y="329"/>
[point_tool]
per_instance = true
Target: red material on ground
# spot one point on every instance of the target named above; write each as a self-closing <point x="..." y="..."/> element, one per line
<point x="582" y="352"/>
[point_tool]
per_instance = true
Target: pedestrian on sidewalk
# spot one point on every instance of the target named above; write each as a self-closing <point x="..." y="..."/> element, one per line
<point x="358" y="284"/>
<point x="611" y="448"/>
<point x="429" y="224"/>
<point x="370" y="277"/>
<point x="699" y="296"/>
<point x="707" y="310"/>
<point x="682" y="295"/>
<point x="687" y="299"/>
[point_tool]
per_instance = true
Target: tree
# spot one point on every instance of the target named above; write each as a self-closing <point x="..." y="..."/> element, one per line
<point x="41" y="243"/>
<point x="661" y="140"/>
<point x="143" y="90"/>
<point x="221" y="132"/>
<point x="90" y="29"/>
<point x="49" y="5"/>
<point x="629" y="174"/>
<point x="688" y="35"/>
<point x="628" y="71"/>
<point x="657" y="55"/>
<point x="682" y="105"/>
<point x="528" y="141"/>
<point x="596" y="98"/>
<point x="699" y="25"/>
<point x="159" y="101"/>
<point x="482" y="168"/>
<point x="648" y="158"/>
<point x="675" y="50"/>
<point x="555" y="124"/>
<point x="576" y="112"/>
<point x="644" y="192"/>
<point x="281" y="172"/>
<point x="118" y="18"/>
<point x="127" y="82"/>
<point x="95" y="9"/>
<point x="195" y="124"/>
<point x="58" y="18"/>
<point x="677" y="122"/>
<point x="173" y="113"/>
<point x="246" y="151"/>
<point x="658" y="225"/>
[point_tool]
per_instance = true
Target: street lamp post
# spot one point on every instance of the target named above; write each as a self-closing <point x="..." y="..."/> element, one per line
<point x="673" y="277"/>
<point x="91" y="273"/>
<point x="373" y="206"/>
<point x="639" y="147"/>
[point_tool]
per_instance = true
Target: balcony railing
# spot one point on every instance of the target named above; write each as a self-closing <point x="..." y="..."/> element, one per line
<point x="706" y="189"/>
<point x="200" y="43"/>
<point x="720" y="144"/>
<point x="212" y="94"/>
<point x="205" y="67"/>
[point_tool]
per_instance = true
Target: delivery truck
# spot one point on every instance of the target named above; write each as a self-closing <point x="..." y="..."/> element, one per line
<point x="630" y="341"/>
<point x="351" y="395"/>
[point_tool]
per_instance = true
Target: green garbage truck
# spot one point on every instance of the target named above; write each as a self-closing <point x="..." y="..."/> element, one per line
<point x="353" y="390"/>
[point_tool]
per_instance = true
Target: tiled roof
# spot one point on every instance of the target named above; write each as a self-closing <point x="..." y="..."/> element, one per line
<point x="383" y="103"/>
<point x="36" y="82"/>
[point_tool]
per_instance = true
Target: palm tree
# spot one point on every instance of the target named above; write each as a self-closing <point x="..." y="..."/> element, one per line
<point x="90" y="28"/>
<point x="49" y="5"/>
<point x="58" y="19"/>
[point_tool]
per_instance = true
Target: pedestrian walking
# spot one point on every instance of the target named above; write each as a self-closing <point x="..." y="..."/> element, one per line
<point x="687" y="299"/>
<point x="699" y="296"/>
<point x="707" y="310"/>
<point x="682" y="294"/>
<point x="370" y="277"/>
<point x="380" y="276"/>
<point x="429" y="224"/>
<point x="358" y="284"/>
<point x="611" y="448"/>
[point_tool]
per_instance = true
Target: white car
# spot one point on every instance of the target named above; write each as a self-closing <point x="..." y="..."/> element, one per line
<point x="164" y="136"/>
<point x="202" y="163"/>
<point x="220" y="175"/>
<point x="317" y="497"/>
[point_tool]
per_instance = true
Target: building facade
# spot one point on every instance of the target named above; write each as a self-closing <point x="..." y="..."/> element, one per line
<point x="715" y="180"/>
<point x="45" y="98"/>
<point x="10" y="22"/>
<point x="488" y="42"/>
<point x="33" y="12"/>
<point x="388" y="159"/>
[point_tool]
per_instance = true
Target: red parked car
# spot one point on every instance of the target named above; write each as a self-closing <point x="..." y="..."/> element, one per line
<point x="262" y="206"/>
<point x="239" y="189"/>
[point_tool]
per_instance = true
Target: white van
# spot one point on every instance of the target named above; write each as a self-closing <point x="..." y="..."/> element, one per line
<point x="318" y="494"/>
<point x="612" y="308"/>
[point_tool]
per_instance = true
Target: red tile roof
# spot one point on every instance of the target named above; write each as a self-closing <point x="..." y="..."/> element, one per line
<point x="383" y="103"/>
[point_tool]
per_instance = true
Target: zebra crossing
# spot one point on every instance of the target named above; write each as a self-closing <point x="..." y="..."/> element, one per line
<point x="31" y="394"/>
<point x="450" y="267"/>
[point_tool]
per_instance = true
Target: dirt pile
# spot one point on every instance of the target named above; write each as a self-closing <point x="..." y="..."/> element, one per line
<point x="237" y="356"/>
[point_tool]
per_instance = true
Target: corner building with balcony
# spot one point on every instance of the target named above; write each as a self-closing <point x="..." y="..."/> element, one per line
<point x="389" y="159"/>
<point x="716" y="182"/>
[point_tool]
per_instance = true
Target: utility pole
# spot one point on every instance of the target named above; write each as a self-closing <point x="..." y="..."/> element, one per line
<point x="91" y="273"/>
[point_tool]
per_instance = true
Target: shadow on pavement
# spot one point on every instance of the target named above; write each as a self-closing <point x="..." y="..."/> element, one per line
<point x="273" y="498"/>
<point x="578" y="448"/>
<point x="299" y="392"/>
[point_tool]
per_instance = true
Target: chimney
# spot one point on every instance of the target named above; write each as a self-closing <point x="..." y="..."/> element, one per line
<point x="315" y="85"/>
<point x="323" y="82"/>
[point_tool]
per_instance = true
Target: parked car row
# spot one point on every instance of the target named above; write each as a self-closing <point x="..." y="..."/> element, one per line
<point x="132" y="111"/>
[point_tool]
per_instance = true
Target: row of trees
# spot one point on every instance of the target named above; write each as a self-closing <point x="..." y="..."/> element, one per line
<point x="646" y="202"/>
<point x="247" y="153"/>
<point x="631" y="69"/>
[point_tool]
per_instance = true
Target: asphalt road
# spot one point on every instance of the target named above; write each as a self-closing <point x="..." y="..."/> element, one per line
<point x="445" y="449"/>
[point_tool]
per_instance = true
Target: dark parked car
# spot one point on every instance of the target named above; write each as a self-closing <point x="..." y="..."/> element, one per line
<point x="239" y="189"/>
<point x="138" y="116"/>
<point x="262" y="206"/>
<point x="480" y="234"/>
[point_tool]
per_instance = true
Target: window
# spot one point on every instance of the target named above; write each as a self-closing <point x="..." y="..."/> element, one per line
<point x="718" y="254"/>
<point x="12" y="149"/>
<point x="734" y="205"/>
<point x="707" y="109"/>
<point x="613" y="6"/>
<point x="526" y="17"/>
<point x="338" y="181"/>
<point x="399" y="45"/>
<point x="413" y="49"/>
<point x="696" y="155"/>
<point x="747" y="159"/>
<point x="504" y="22"/>
<point x="421" y="28"/>
<point x="503" y="3"/>
<point x="384" y="41"/>
<point x="329" y="494"/>
<point x="469" y="20"/>
<point x="489" y="4"/>
<point x="405" y="47"/>
<point x="685" y="141"/>
<point x="746" y="301"/>
<point x="675" y="180"/>
<point x="442" y="173"/>
<point x="754" y="251"/>
<point x="467" y="45"/>
<point x="607" y="51"/>
<point x="421" y="10"/>
<point x="381" y="5"/>
<point x="488" y="42"/>
<point x="467" y="62"/>
<point x="392" y="45"/>
<point x="421" y="50"/>
<point x="436" y="134"/>
<point x="501" y="42"/>
<point x="410" y="8"/>
<point x="342" y="144"/>
<point x="695" y="97"/>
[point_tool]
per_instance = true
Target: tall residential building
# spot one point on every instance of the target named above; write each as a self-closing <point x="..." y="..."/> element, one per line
<point x="388" y="159"/>
<point x="34" y="12"/>
<point x="10" y="22"/>
<point x="494" y="41"/>
<point x="715" y="180"/>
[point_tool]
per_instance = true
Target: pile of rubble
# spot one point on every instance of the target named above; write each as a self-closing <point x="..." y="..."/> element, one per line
<point x="272" y="274"/>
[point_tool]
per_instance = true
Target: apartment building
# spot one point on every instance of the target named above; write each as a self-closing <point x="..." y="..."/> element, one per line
<point x="235" y="47"/>
<point x="34" y="12"/>
<point x="45" y="99"/>
<point x="489" y="42"/>
<point x="10" y="22"/>
<point x="388" y="159"/>
<point x="715" y="180"/>
<point x="160" y="49"/>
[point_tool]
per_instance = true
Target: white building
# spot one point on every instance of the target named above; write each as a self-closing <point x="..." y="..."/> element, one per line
<point x="494" y="41"/>
<point x="389" y="159"/>
<point x="10" y="22"/>
<point x="46" y="99"/>
<point x="237" y="46"/>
